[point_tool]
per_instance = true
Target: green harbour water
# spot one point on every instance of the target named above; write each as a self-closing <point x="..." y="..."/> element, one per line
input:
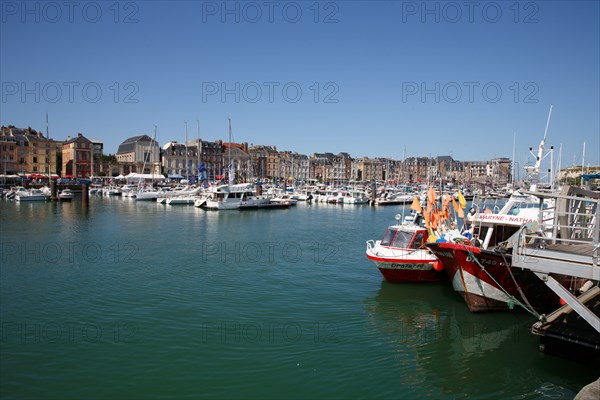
<point x="128" y="300"/>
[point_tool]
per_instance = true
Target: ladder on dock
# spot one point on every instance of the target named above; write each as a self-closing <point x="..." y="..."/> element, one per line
<point x="566" y="243"/>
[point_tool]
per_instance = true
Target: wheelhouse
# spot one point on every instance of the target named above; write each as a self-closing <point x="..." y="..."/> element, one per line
<point x="403" y="239"/>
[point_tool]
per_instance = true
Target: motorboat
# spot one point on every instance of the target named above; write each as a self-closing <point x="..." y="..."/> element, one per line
<point x="66" y="195"/>
<point x="231" y="197"/>
<point x="22" y="194"/>
<point x="401" y="255"/>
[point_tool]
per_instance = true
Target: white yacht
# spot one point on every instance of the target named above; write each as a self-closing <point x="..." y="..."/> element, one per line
<point x="232" y="197"/>
<point x="23" y="194"/>
<point x="146" y="194"/>
<point x="356" y="197"/>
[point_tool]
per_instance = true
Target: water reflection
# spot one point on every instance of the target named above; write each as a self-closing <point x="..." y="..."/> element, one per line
<point x="439" y="343"/>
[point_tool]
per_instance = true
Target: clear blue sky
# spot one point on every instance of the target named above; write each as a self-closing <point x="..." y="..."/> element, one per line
<point x="376" y="78"/>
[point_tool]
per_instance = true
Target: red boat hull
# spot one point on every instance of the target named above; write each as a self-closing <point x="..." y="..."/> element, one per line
<point x="396" y="271"/>
<point x="491" y="288"/>
<point x="399" y="275"/>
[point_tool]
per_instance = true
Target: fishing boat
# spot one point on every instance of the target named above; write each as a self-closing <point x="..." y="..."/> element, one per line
<point x="486" y="281"/>
<point x="400" y="255"/>
<point x="479" y="264"/>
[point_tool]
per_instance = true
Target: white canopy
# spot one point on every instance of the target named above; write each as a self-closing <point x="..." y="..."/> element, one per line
<point x="134" y="177"/>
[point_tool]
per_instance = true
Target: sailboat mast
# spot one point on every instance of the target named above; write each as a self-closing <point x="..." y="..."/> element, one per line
<point x="47" y="139"/>
<point x="152" y="148"/>
<point x="513" y="160"/>
<point x="229" y="119"/>
<point x="198" y="147"/>
<point x="559" y="162"/>
<point x="583" y="159"/>
<point x="186" y="152"/>
<point x="229" y="153"/>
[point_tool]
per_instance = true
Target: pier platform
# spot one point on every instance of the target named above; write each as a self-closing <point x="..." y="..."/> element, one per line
<point x="566" y="244"/>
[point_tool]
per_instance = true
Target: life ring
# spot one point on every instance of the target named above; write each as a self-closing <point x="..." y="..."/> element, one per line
<point x="438" y="265"/>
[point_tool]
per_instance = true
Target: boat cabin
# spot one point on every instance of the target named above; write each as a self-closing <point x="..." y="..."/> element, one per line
<point x="496" y="228"/>
<point x="400" y="237"/>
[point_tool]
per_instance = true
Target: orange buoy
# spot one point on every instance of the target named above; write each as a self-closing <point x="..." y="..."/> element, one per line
<point x="438" y="266"/>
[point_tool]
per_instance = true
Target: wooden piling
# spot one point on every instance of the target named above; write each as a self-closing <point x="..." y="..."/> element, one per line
<point x="85" y="194"/>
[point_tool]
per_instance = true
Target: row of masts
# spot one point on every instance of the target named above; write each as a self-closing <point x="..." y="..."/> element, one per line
<point x="187" y="169"/>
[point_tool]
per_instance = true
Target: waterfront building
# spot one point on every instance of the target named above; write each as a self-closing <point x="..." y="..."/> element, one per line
<point x="342" y="167"/>
<point x="265" y="162"/>
<point x="500" y="170"/>
<point x="179" y="160"/>
<point x="301" y="167"/>
<point x="237" y="154"/>
<point x="258" y="161"/>
<point x="27" y="151"/>
<point x="77" y="157"/>
<point x="97" y="153"/>
<point x="212" y="157"/>
<point x="140" y="154"/>
<point x="476" y="171"/>
<point x="386" y="169"/>
<point x="365" y="169"/>
<point x="417" y="168"/>
<point x="321" y="167"/>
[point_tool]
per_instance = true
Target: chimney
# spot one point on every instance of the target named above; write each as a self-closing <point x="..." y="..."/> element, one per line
<point x="79" y="134"/>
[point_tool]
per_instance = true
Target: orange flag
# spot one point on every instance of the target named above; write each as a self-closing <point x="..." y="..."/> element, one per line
<point x="461" y="213"/>
<point x="455" y="205"/>
<point x="431" y="195"/>
<point x="435" y="217"/>
<point x="426" y="218"/>
<point x="416" y="205"/>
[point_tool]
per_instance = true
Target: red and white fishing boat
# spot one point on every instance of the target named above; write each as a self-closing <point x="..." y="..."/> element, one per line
<point x="401" y="255"/>
<point x="480" y="269"/>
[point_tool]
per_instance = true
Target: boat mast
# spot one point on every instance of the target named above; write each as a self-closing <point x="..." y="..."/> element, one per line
<point x="229" y="153"/>
<point x="198" y="148"/>
<point x="186" y="152"/>
<point x="150" y="153"/>
<point x="513" y="160"/>
<point x="47" y="141"/>
<point x="583" y="159"/>
<point x="558" y="166"/>
<point x="538" y="162"/>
